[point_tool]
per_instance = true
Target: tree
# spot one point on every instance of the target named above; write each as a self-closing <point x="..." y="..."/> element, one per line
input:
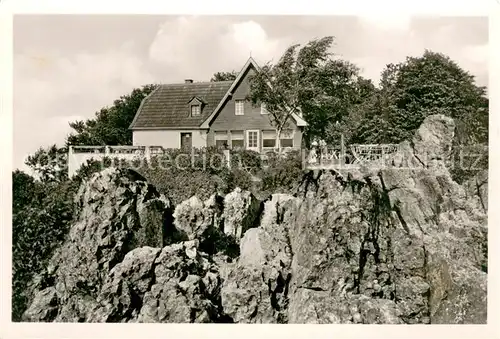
<point x="41" y="215"/>
<point x="352" y="110"/>
<point x="224" y="76"/>
<point x="308" y="81"/>
<point x="49" y="164"/>
<point x="374" y="125"/>
<point x="111" y="124"/>
<point x="422" y="86"/>
<point x="23" y="190"/>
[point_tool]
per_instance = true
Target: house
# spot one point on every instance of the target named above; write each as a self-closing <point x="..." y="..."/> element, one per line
<point x="202" y="114"/>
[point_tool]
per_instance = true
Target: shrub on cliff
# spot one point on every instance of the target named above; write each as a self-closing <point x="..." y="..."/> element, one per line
<point x="180" y="174"/>
<point x="41" y="216"/>
<point x="283" y="172"/>
<point x="247" y="160"/>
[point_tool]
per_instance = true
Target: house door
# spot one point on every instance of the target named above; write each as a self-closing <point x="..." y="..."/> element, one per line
<point x="253" y="140"/>
<point x="186" y="141"/>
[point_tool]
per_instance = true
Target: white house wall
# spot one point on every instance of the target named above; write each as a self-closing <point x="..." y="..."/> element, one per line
<point x="167" y="138"/>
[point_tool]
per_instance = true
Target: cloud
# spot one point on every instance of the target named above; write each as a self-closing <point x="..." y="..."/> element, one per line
<point x="197" y="47"/>
<point x="250" y="37"/>
<point x="477" y="53"/>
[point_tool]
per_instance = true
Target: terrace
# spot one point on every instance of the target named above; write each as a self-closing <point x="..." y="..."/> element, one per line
<point x="318" y="158"/>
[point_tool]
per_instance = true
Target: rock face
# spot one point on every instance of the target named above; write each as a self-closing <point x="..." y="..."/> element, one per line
<point x="118" y="211"/>
<point x="175" y="284"/>
<point x="394" y="245"/>
<point x="433" y="140"/>
<point x="398" y="245"/>
<point x="256" y="289"/>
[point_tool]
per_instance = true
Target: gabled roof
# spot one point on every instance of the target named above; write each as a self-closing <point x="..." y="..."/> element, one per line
<point x="250" y="63"/>
<point x="167" y="106"/>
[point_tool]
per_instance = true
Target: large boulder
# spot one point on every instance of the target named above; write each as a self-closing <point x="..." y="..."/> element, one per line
<point x="433" y="140"/>
<point x="117" y="212"/>
<point x="241" y="212"/>
<point x="176" y="284"/>
<point x="197" y="219"/>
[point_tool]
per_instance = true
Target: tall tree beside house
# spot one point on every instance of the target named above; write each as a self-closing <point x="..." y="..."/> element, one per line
<point x="352" y="110"/>
<point x="111" y="124"/>
<point x="224" y="76"/>
<point x="277" y="87"/>
<point x="307" y="80"/>
<point x="374" y="126"/>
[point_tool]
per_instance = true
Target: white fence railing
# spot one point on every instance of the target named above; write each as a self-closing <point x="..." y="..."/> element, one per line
<point x="79" y="155"/>
<point x="354" y="155"/>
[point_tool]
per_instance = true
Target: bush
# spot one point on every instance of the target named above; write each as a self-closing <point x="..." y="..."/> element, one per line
<point x="241" y="178"/>
<point x="245" y="159"/>
<point x="38" y="227"/>
<point x="209" y="159"/>
<point x="283" y="172"/>
<point x="180" y="174"/>
<point x="92" y="166"/>
<point x="180" y="185"/>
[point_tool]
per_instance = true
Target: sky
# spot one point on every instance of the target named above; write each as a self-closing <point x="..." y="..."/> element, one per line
<point x="67" y="67"/>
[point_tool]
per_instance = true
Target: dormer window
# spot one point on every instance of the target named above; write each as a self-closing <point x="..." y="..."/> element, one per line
<point x="195" y="106"/>
<point x="195" y="110"/>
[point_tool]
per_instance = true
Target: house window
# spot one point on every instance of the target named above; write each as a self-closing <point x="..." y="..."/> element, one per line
<point x="237" y="139"/>
<point x="221" y="139"/>
<point x="286" y="138"/>
<point x="195" y="110"/>
<point x="263" y="109"/>
<point x="269" y="139"/>
<point x="252" y="139"/>
<point x="239" y="108"/>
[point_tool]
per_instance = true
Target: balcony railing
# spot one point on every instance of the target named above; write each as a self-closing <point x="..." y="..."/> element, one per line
<point x="354" y="155"/>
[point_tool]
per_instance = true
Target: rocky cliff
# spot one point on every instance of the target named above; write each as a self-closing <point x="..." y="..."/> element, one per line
<point x="384" y="245"/>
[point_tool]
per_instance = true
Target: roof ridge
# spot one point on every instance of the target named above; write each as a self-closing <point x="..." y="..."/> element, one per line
<point x="197" y="83"/>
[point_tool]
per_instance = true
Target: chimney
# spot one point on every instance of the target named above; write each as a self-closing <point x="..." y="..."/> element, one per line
<point x="188" y="81"/>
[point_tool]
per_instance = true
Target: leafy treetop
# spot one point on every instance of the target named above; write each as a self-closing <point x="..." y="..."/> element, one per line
<point x="224" y="76"/>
